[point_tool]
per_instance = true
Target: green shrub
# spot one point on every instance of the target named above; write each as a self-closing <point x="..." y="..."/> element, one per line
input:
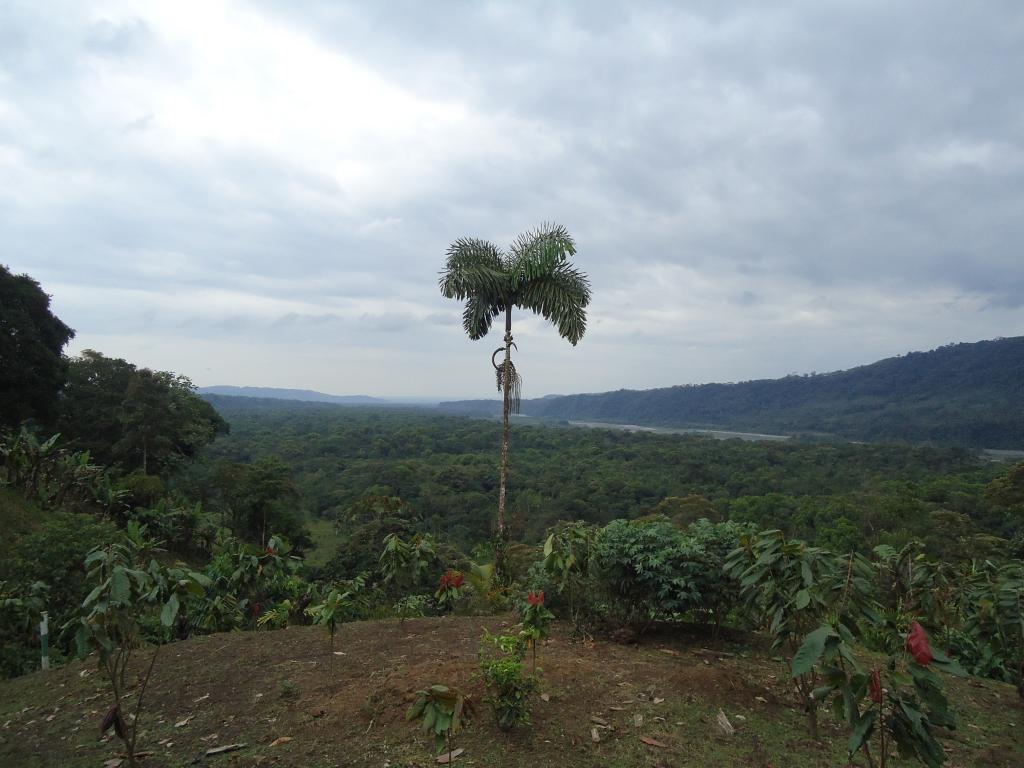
<point x="901" y="700"/>
<point x="565" y="570"/>
<point x="719" y="591"/>
<point x="789" y="588"/>
<point x="444" y="711"/>
<point x="509" y="690"/>
<point x="129" y="589"/>
<point x="52" y="553"/>
<point x="992" y="641"/>
<point x="412" y="606"/>
<point x="647" y="569"/>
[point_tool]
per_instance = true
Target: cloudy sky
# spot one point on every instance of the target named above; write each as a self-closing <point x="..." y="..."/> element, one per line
<point x="262" y="192"/>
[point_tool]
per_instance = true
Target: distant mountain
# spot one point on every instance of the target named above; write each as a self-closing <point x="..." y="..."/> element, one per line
<point x="304" y="395"/>
<point x="959" y="394"/>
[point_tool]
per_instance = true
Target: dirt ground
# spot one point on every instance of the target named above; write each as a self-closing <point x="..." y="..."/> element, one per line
<point x="293" y="703"/>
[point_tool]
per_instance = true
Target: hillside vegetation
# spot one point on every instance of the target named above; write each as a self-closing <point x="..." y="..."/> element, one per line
<point x="959" y="394"/>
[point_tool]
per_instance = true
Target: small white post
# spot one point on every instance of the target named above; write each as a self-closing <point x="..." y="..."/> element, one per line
<point x="44" y="639"/>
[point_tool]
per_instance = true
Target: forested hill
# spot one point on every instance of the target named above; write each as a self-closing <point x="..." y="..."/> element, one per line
<point x="960" y="394"/>
<point x="302" y="395"/>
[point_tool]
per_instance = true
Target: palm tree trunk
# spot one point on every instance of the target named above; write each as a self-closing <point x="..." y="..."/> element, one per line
<point x="502" y="532"/>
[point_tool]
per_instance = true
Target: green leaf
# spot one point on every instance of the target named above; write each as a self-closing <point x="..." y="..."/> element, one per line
<point x="946" y="664"/>
<point x="805" y="572"/>
<point x="120" y="586"/>
<point x="93" y="595"/>
<point x="777" y="622"/>
<point x="803" y="599"/>
<point x="821" y="692"/>
<point x="862" y="731"/>
<point x="811" y="650"/>
<point x="92" y="557"/>
<point x="852" y="692"/>
<point x="170" y="611"/>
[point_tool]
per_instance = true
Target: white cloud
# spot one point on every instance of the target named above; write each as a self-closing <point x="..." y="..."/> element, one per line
<point x="262" y="192"/>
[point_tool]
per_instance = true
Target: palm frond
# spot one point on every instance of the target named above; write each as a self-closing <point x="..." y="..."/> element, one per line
<point x="560" y="296"/>
<point x="473" y="267"/>
<point x="537" y="252"/>
<point x="478" y="315"/>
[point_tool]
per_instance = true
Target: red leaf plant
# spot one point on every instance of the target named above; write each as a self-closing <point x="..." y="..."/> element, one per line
<point x="917" y="644"/>
<point x="452" y="580"/>
<point x="875" y="687"/>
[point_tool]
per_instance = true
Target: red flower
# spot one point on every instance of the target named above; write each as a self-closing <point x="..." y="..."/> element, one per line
<point x="917" y="644"/>
<point x="875" y="687"/>
<point x="270" y="550"/>
<point x="535" y="598"/>
<point x="451" y="580"/>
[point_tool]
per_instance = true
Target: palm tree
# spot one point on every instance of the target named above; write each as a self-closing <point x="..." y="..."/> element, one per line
<point x="536" y="274"/>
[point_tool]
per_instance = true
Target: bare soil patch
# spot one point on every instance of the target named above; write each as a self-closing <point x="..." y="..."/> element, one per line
<point x="348" y="709"/>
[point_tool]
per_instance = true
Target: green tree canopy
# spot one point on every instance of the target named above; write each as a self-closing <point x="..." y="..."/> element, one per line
<point x="32" y="339"/>
<point x="134" y="418"/>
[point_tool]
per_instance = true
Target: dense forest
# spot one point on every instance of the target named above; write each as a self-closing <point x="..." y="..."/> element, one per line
<point x="443" y="468"/>
<point x="959" y="394"/>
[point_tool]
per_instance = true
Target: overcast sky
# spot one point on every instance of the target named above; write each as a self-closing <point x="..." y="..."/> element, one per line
<point x="262" y="193"/>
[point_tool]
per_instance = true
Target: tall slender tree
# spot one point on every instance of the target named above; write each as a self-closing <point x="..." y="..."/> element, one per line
<point x="535" y="274"/>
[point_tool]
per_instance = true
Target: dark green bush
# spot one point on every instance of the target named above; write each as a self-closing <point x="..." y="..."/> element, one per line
<point x="647" y="569"/>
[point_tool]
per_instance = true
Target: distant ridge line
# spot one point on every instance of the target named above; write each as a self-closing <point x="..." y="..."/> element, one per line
<point x="968" y="394"/>
<point x="277" y="393"/>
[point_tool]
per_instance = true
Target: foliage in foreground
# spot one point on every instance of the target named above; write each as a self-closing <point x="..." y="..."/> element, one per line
<point x="444" y="712"/>
<point x="131" y="587"/>
<point x="509" y="688"/>
<point x="902" y="700"/>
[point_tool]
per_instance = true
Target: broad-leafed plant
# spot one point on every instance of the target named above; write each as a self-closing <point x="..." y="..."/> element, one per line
<point x="902" y="701"/>
<point x="444" y="711"/>
<point x="567" y="554"/>
<point x="404" y="562"/>
<point x="131" y="586"/>
<point x="536" y="623"/>
<point x="449" y="590"/>
<point x="509" y="690"/>
<point x="338" y="605"/>
<point x="789" y="588"/>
